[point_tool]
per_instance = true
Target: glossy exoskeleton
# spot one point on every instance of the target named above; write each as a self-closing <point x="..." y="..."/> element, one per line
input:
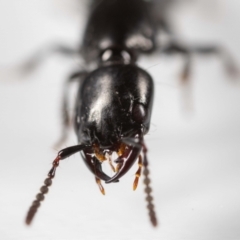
<point x="115" y="97"/>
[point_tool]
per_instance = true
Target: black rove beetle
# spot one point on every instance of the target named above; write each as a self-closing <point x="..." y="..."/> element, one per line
<point x="114" y="102"/>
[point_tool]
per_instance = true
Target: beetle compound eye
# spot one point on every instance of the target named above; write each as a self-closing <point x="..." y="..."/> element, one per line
<point x="139" y="113"/>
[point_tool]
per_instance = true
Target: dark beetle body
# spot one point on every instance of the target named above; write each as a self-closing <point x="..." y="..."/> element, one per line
<point x="124" y="24"/>
<point x="115" y="97"/>
<point x="115" y="100"/>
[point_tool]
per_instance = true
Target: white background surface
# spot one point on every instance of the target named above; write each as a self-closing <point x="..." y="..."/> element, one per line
<point x="194" y="156"/>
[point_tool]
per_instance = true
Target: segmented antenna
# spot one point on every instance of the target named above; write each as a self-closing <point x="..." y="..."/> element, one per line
<point x="148" y="190"/>
<point x="62" y="154"/>
<point x="43" y="190"/>
<point x="36" y="203"/>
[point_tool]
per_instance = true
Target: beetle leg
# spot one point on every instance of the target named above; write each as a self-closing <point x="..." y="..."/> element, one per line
<point x="175" y="48"/>
<point x="187" y="99"/>
<point x="66" y="119"/>
<point x="187" y="53"/>
<point x="185" y="79"/>
<point x="227" y="59"/>
<point x="138" y="173"/>
<point x="42" y="54"/>
<point x="185" y="75"/>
